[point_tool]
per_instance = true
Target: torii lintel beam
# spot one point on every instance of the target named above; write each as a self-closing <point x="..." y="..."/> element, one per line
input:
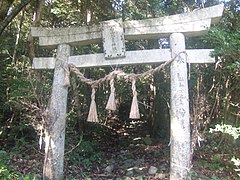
<point x="132" y="57"/>
<point x="194" y="23"/>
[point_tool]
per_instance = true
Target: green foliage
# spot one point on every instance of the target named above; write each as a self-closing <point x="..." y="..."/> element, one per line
<point x="4" y="159"/>
<point x="235" y="133"/>
<point x="194" y="175"/>
<point x="7" y="174"/>
<point x="225" y="38"/>
<point x="213" y="165"/>
<point x="29" y="177"/>
<point x="5" y="171"/>
<point x="236" y="162"/>
<point x="226" y="44"/>
<point x="86" y="154"/>
<point x="228" y="129"/>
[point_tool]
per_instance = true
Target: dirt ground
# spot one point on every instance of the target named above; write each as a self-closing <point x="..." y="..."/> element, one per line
<point x="122" y="152"/>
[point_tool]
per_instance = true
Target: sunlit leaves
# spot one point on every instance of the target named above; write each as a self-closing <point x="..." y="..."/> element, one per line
<point x="228" y="129"/>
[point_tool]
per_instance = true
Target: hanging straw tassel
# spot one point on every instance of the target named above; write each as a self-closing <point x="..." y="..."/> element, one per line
<point x="66" y="80"/>
<point x="92" y="116"/>
<point x="134" y="113"/>
<point x="111" y="104"/>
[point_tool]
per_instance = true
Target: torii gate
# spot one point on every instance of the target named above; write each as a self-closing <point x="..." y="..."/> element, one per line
<point x="113" y="34"/>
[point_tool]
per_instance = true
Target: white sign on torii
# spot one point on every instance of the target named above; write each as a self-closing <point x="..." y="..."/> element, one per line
<point x="113" y="34"/>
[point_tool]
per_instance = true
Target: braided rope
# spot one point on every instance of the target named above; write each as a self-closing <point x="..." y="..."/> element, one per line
<point x="111" y="104"/>
<point x="134" y="113"/>
<point x="120" y="73"/>
<point x="92" y="116"/>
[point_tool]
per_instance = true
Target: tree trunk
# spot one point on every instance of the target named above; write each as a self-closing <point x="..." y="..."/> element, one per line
<point x="18" y="37"/>
<point x="150" y="118"/>
<point x="4" y="23"/>
<point x="38" y="12"/>
<point x="161" y="126"/>
<point x="4" y="8"/>
<point x="31" y="52"/>
<point x="80" y="119"/>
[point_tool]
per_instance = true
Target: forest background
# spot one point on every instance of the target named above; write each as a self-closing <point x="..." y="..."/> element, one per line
<point x="24" y="92"/>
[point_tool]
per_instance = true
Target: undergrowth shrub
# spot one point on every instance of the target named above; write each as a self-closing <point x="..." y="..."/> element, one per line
<point x="6" y="172"/>
<point x="235" y="133"/>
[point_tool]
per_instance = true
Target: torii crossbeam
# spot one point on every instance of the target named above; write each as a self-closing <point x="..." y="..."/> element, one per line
<point x="113" y="34"/>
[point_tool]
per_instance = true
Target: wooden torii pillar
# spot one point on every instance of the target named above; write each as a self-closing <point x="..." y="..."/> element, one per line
<point x="113" y="34"/>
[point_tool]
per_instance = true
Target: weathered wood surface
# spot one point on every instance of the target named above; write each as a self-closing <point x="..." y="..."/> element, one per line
<point x="194" y="23"/>
<point x="132" y="57"/>
<point x="180" y="119"/>
<point x="55" y="124"/>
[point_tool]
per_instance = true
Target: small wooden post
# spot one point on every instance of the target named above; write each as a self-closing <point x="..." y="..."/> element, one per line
<point x="55" y="125"/>
<point x="180" y="119"/>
